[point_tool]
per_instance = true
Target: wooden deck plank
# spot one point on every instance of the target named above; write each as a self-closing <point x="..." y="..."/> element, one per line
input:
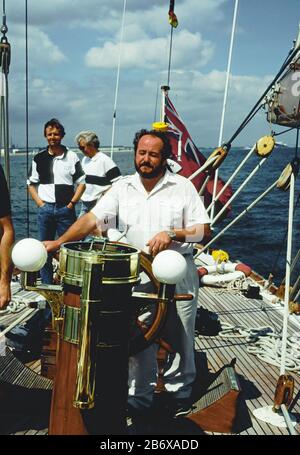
<point x="238" y="310"/>
<point x="35" y="365"/>
<point x="260" y="401"/>
<point x="42" y="432"/>
<point x="258" y="379"/>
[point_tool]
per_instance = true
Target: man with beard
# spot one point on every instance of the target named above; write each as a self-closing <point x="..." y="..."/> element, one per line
<point x="158" y="210"/>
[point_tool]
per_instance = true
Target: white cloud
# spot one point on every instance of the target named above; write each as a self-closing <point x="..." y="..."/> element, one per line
<point x="151" y="53"/>
<point x="73" y="54"/>
<point x="197" y="96"/>
<point x="42" y="51"/>
<point x="150" y="14"/>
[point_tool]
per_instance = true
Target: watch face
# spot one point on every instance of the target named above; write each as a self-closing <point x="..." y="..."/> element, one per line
<point x="171" y="234"/>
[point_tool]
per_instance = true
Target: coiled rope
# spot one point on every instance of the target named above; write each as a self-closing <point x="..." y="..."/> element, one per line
<point x="266" y="344"/>
<point x="240" y="331"/>
<point x="269" y="349"/>
<point x="235" y="286"/>
<point x="15" y="306"/>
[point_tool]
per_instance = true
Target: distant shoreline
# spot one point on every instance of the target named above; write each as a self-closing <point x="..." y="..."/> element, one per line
<point x="129" y="149"/>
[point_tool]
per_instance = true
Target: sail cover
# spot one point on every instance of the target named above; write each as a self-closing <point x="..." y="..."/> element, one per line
<point x="283" y="103"/>
<point x="189" y="157"/>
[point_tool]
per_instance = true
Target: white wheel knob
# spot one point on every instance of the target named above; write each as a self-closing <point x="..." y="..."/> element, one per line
<point x="169" y="267"/>
<point x="29" y="255"/>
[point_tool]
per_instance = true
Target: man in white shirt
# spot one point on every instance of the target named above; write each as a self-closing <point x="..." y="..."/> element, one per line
<point x="100" y="170"/>
<point x="158" y="210"/>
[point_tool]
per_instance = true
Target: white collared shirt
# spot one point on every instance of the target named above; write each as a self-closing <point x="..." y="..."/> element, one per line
<point x="101" y="171"/>
<point x="172" y="203"/>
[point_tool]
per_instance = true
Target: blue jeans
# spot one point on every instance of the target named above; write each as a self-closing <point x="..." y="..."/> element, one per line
<point x="86" y="206"/>
<point x="53" y="220"/>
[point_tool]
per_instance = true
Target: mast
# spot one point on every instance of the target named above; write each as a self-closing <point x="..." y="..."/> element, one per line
<point x="4" y="64"/>
<point x="173" y="21"/>
<point x="173" y="24"/>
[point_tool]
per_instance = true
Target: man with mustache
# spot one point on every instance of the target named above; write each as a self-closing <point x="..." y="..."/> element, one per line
<point x="159" y="210"/>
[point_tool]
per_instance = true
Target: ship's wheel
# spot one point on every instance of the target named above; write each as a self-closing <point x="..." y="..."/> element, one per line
<point x="155" y="306"/>
<point x="143" y="333"/>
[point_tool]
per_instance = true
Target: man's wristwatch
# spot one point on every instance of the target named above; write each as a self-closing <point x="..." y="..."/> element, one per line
<point x="171" y="234"/>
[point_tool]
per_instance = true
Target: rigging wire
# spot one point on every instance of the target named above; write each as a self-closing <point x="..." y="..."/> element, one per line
<point x="283" y="132"/>
<point x="237" y="192"/>
<point x="235" y="172"/>
<point x="117" y="82"/>
<point x="235" y="220"/>
<point x="26" y="114"/>
<point x="224" y="105"/>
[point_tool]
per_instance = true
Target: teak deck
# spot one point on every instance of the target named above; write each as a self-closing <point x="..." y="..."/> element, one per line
<point x="257" y="378"/>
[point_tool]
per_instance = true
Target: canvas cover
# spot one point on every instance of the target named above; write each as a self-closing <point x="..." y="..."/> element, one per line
<point x="283" y="103"/>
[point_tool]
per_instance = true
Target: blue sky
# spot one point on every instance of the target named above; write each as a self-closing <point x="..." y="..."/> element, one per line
<point x="73" y="56"/>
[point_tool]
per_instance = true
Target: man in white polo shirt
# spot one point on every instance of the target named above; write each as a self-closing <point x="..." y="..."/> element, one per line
<point x="158" y="210"/>
<point x="100" y="170"/>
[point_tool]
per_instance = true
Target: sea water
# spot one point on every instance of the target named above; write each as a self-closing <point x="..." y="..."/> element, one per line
<point x="258" y="239"/>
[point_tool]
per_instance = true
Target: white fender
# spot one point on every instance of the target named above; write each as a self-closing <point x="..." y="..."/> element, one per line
<point x="222" y="278"/>
<point x="223" y="272"/>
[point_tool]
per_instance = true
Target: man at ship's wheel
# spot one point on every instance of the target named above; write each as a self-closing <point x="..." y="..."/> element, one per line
<point x="158" y="210"/>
